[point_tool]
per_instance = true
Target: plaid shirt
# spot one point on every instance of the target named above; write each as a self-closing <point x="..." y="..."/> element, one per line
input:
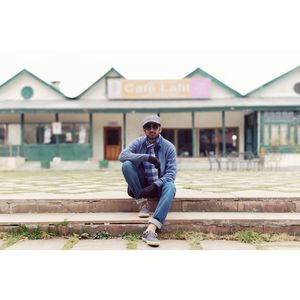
<point x="150" y="171"/>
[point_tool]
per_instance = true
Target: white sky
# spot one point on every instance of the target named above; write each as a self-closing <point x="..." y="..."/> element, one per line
<point x="242" y="43"/>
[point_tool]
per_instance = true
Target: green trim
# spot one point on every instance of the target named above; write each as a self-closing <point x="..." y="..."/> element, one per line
<point x="152" y="110"/>
<point x="24" y="71"/>
<point x="100" y="79"/>
<point x="22" y="133"/>
<point x="215" y="80"/>
<point x="67" y="152"/>
<point x="270" y="82"/>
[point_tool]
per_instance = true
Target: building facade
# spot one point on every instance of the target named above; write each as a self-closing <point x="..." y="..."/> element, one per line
<point x="200" y="115"/>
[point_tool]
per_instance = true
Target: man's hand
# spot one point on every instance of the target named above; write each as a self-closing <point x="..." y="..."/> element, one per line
<point x="149" y="190"/>
<point x="153" y="160"/>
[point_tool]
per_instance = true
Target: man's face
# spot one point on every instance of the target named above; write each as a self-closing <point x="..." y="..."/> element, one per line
<point x="152" y="130"/>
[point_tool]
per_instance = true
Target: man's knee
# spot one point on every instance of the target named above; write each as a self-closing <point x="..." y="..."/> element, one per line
<point x="127" y="165"/>
<point x="169" y="187"/>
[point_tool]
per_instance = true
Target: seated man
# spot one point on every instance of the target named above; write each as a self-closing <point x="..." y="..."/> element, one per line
<point x="149" y="168"/>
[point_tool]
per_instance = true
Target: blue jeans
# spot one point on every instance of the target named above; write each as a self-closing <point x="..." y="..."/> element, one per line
<point x="135" y="178"/>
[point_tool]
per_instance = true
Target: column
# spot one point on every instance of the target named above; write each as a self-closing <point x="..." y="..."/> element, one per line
<point x="193" y="135"/>
<point x="91" y="134"/>
<point x="22" y="134"/>
<point x="223" y="135"/>
<point x="124" y="130"/>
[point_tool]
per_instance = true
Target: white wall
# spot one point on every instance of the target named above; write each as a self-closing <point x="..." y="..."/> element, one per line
<point x="283" y="87"/>
<point x="217" y="91"/>
<point x="180" y="120"/>
<point x="10" y="118"/>
<point x="12" y="91"/>
<point x="98" y="91"/>
<point x="14" y="134"/>
<point x="99" y="122"/>
<point x="72" y="117"/>
<point x="39" y="118"/>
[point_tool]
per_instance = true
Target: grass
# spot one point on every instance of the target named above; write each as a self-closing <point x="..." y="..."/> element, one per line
<point x="9" y="242"/>
<point x="131" y="239"/>
<point x="194" y="238"/>
<point x="101" y="235"/>
<point x="72" y="241"/>
<point x="246" y="236"/>
<point x="20" y="233"/>
<point x="131" y="245"/>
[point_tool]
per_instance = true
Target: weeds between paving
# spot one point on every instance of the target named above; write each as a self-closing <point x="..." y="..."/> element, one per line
<point x="192" y="237"/>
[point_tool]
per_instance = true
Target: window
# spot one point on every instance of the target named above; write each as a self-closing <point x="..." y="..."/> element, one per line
<point x="169" y="134"/>
<point x="71" y="134"/>
<point x="211" y="140"/>
<point x="279" y="128"/>
<point x="185" y="142"/>
<point x="3" y="133"/>
<point x="38" y="134"/>
<point x="283" y="134"/>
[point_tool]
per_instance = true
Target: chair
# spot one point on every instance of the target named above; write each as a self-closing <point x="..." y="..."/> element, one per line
<point x="213" y="159"/>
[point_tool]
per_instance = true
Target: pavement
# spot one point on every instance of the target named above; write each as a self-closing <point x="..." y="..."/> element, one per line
<point x="124" y="245"/>
<point x="109" y="183"/>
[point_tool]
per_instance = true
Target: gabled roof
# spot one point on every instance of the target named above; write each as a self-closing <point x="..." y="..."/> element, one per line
<point x="24" y="71"/>
<point x="101" y="78"/>
<point x="270" y="82"/>
<point x="215" y="80"/>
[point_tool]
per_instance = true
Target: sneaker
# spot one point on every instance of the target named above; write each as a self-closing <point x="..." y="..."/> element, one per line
<point x="150" y="238"/>
<point x="144" y="211"/>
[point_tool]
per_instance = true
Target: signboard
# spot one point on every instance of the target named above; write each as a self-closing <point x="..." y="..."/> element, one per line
<point x="56" y="128"/>
<point x="192" y="88"/>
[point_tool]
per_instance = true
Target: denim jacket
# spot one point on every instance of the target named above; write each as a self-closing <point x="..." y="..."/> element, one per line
<point x="166" y="154"/>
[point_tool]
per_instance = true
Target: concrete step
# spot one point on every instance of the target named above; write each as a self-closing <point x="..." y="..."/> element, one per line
<point x="125" y="204"/>
<point x="117" y="223"/>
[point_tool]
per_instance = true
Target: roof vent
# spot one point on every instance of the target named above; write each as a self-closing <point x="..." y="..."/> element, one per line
<point x="56" y="84"/>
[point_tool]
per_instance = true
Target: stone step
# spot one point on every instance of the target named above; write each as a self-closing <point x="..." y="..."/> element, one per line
<point x="117" y="223"/>
<point x="125" y="204"/>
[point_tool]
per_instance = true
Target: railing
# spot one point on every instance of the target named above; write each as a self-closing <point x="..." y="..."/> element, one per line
<point x="235" y="161"/>
<point x="9" y="150"/>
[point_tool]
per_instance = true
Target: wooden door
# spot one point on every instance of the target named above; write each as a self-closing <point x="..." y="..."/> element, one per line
<point x="112" y="143"/>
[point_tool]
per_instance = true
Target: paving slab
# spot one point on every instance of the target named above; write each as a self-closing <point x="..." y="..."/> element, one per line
<point x="36" y="218"/>
<point x="225" y="245"/>
<point x="55" y="244"/>
<point x="285" y="245"/>
<point x="111" y="244"/>
<point x="165" y="245"/>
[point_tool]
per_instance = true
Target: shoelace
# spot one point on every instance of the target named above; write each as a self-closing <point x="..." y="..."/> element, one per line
<point x="151" y="232"/>
<point x="144" y="205"/>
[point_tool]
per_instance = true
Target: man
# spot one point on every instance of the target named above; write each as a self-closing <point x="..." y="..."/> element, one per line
<point x="149" y="168"/>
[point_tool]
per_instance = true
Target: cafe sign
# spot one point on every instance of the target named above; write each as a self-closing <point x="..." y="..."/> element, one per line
<point x="193" y="88"/>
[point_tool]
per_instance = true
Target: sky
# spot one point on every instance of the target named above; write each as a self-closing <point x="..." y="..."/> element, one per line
<point x="244" y="44"/>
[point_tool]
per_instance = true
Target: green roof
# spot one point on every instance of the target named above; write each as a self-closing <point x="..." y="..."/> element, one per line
<point x="24" y="71"/>
<point x="270" y="82"/>
<point x="215" y="80"/>
<point x="101" y="78"/>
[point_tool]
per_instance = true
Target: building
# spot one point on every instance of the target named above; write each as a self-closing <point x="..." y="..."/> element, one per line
<point x="200" y="115"/>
